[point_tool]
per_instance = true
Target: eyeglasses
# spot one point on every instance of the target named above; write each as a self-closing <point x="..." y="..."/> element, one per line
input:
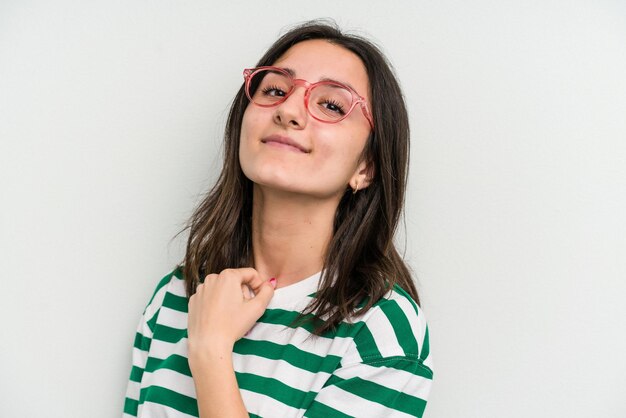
<point x="326" y="101"/>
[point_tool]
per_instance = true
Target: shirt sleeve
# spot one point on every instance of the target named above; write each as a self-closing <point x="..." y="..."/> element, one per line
<point x="388" y="370"/>
<point x="388" y="387"/>
<point x="141" y="347"/>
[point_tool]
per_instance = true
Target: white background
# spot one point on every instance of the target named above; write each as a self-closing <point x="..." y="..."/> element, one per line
<point x="111" y="116"/>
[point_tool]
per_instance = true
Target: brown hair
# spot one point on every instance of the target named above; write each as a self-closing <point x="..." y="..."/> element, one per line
<point x="361" y="254"/>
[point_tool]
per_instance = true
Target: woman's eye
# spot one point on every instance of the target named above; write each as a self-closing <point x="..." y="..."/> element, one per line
<point x="273" y="91"/>
<point x="333" y="106"/>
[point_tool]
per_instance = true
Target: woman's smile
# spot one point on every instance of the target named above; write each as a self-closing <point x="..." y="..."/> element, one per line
<point x="285" y="142"/>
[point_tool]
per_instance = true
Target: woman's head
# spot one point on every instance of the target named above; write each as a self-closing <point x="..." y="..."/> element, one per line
<point x="356" y="61"/>
<point x="350" y="154"/>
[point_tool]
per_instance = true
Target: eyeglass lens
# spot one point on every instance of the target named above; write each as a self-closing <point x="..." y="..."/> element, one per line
<point x="328" y="102"/>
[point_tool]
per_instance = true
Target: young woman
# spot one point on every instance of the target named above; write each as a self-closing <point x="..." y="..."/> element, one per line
<point x="292" y="299"/>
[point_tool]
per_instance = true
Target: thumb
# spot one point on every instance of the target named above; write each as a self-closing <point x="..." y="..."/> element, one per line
<point x="264" y="295"/>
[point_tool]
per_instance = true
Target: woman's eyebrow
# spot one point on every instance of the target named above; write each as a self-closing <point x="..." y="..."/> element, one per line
<point x="289" y="70"/>
<point x="292" y="73"/>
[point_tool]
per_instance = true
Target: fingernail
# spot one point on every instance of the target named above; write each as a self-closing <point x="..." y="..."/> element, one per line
<point x="273" y="282"/>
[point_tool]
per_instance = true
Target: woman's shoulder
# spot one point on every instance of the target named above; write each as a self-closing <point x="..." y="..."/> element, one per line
<point x="172" y="283"/>
<point x="395" y="327"/>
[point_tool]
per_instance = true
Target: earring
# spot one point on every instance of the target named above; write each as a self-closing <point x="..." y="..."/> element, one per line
<point x="356" y="187"/>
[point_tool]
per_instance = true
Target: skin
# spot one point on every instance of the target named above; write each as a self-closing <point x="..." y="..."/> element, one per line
<point x="295" y="195"/>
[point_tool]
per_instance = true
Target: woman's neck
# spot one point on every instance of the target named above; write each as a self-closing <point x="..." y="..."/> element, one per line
<point x="290" y="234"/>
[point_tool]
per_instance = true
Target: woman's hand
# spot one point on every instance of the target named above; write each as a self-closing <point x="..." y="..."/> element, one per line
<point x="222" y="310"/>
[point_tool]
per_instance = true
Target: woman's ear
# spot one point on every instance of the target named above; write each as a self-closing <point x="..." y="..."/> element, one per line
<point x="363" y="175"/>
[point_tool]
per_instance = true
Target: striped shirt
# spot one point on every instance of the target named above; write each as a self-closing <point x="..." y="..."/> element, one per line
<point x="376" y="365"/>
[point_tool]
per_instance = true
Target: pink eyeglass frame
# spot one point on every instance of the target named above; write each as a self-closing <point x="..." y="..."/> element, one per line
<point x="356" y="98"/>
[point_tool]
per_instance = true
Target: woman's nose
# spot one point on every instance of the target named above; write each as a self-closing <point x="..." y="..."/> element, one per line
<point x="292" y="112"/>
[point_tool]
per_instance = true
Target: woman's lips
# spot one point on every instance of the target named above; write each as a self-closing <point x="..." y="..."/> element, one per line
<point x="284" y="142"/>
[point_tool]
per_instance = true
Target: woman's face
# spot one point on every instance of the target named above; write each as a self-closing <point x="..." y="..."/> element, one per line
<point x="324" y="158"/>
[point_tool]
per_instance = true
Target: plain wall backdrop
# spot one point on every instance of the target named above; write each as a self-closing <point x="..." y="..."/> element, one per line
<point x="111" y="117"/>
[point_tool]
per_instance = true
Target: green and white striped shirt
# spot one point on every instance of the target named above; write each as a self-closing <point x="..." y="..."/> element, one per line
<point x="376" y="366"/>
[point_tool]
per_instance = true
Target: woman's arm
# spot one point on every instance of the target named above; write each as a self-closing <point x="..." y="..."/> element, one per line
<point x="221" y="312"/>
<point x="216" y="387"/>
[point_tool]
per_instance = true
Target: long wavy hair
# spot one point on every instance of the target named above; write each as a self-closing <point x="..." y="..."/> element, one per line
<point x="362" y="263"/>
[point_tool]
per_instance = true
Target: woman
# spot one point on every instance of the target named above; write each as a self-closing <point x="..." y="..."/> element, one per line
<point x="292" y="299"/>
